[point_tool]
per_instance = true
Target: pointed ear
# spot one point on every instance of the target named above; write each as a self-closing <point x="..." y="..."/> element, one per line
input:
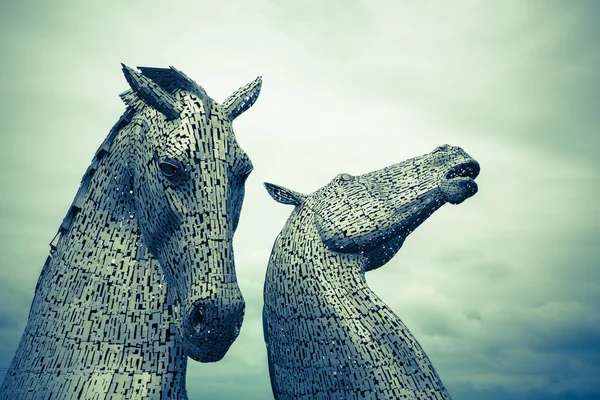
<point x="242" y="99"/>
<point x="150" y="93"/>
<point x="283" y="195"/>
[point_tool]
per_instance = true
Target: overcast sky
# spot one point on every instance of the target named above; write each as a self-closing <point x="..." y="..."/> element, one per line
<point x="502" y="291"/>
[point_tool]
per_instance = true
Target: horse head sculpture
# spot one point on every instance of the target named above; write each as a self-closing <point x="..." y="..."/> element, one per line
<point x="327" y="333"/>
<point x="141" y="273"/>
<point x="372" y="214"/>
<point x="188" y="175"/>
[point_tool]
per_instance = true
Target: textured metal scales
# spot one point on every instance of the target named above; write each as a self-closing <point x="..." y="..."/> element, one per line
<point x="328" y="335"/>
<point x="141" y="273"/>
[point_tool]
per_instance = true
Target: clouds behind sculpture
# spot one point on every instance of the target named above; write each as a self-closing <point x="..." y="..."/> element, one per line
<point x="513" y="307"/>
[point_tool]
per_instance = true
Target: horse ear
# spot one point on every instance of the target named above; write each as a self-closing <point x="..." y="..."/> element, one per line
<point x="283" y="195"/>
<point x="242" y="99"/>
<point x="149" y="92"/>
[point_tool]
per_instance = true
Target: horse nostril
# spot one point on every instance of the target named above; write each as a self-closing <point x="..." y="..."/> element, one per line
<point x="197" y="319"/>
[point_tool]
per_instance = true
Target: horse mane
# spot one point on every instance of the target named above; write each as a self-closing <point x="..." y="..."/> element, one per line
<point x="169" y="79"/>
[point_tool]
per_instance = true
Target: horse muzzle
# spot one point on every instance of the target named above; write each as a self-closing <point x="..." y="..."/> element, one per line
<point x="210" y="328"/>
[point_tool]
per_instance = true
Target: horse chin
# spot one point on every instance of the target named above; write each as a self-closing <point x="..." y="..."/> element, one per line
<point x="208" y="358"/>
<point x="457" y="190"/>
<point x="205" y="352"/>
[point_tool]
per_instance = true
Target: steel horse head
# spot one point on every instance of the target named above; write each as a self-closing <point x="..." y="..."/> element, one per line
<point x="188" y="174"/>
<point x="328" y="335"/>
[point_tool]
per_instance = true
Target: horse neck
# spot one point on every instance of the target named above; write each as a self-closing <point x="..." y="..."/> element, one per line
<point x="302" y="269"/>
<point x="101" y="306"/>
<point x="101" y="245"/>
<point x="319" y="307"/>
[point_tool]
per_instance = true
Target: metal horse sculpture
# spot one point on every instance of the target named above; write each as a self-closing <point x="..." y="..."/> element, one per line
<point x="141" y="273"/>
<point x="328" y="335"/>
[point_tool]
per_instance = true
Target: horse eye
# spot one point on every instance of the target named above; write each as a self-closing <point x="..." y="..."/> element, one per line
<point x="345" y="177"/>
<point x="168" y="169"/>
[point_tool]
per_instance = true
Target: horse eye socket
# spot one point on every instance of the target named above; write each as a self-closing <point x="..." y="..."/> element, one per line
<point x="345" y="177"/>
<point x="168" y="169"/>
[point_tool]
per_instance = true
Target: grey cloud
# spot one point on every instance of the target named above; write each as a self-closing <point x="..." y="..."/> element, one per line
<point x="502" y="291"/>
<point x="515" y="65"/>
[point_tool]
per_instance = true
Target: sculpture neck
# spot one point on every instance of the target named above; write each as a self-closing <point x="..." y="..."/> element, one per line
<point x="327" y="332"/>
<point x="303" y="272"/>
<point x="101" y="318"/>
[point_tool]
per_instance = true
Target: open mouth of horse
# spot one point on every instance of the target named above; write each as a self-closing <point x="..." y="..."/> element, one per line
<point x="469" y="169"/>
<point x="458" y="183"/>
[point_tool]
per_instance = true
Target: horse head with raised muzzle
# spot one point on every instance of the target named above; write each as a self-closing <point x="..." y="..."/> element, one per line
<point x="372" y="214"/>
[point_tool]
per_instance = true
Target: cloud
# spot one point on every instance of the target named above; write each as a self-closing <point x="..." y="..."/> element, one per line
<point x="501" y="291"/>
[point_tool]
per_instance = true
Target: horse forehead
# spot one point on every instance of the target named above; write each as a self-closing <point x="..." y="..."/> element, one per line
<point x="212" y="143"/>
<point x="194" y="134"/>
<point x="199" y="138"/>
